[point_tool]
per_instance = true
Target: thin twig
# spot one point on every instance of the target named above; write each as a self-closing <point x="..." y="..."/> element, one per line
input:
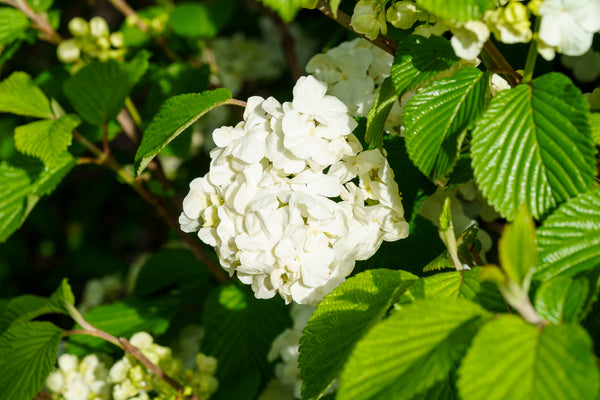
<point x="95" y="333"/>
<point x="236" y="102"/>
<point x="134" y="351"/>
<point x="499" y="63"/>
<point x="383" y="42"/>
<point x="165" y="212"/>
<point x="40" y="22"/>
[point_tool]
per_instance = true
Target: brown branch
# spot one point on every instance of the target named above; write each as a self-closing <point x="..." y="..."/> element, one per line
<point x="126" y="122"/>
<point x="383" y="42"/>
<point x="95" y="332"/>
<point x="135" y="352"/>
<point x="499" y="63"/>
<point x="40" y="22"/>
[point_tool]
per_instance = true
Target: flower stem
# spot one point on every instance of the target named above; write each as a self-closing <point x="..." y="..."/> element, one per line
<point x="531" y="55"/>
<point x="498" y="63"/>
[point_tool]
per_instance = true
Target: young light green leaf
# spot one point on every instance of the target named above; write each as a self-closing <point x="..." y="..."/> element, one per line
<point x="411" y="351"/>
<point x="446" y="233"/>
<point x="517" y="247"/>
<point x="46" y="139"/>
<point x="287" y="9"/>
<point x="466" y="284"/>
<point x="379" y="112"/>
<point x="436" y="120"/>
<point x="98" y="90"/>
<point x="19" y="95"/>
<point x="28" y="353"/>
<point x="511" y="359"/>
<point x="595" y="125"/>
<point x="561" y="300"/>
<point x="569" y="239"/>
<point x="419" y="59"/>
<point x="240" y="329"/>
<point x="12" y="24"/>
<point x="14" y="188"/>
<point x="533" y="146"/>
<point x="460" y="10"/>
<point x="124" y="318"/>
<point x="325" y="347"/>
<point x="174" y="116"/>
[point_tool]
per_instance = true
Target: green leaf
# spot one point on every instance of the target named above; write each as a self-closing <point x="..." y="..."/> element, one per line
<point x="169" y="268"/>
<point x="12" y="24"/>
<point x="511" y="359"/>
<point x="517" y="247"/>
<point x="561" y="299"/>
<point x="14" y="188"/>
<point x="419" y="59"/>
<point x="386" y="96"/>
<point x="98" y="90"/>
<point x="569" y="239"/>
<point x="41" y="5"/>
<point x="19" y="95"/>
<point x="28" y="353"/>
<point x="174" y="116"/>
<point x="46" y="139"/>
<point x="355" y="306"/>
<point x="437" y="118"/>
<point x="411" y="351"/>
<point x="240" y="329"/>
<point x="27" y="307"/>
<point x="286" y="9"/>
<point x="533" y="146"/>
<point x="466" y="284"/>
<point x="460" y="10"/>
<point x="124" y="318"/>
<point x="193" y="20"/>
<point x="595" y="125"/>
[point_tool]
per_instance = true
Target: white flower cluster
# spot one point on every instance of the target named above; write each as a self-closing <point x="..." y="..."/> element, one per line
<point x="353" y="72"/>
<point x="126" y="379"/>
<point x="290" y="201"/>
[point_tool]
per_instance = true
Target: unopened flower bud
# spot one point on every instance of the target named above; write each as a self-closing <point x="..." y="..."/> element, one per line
<point x="117" y="40"/>
<point x="78" y="26"/>
<point x="206" y="364"/>
<point x="68" y="51"/>
<point x="98" y="27"/>
<point x="402" y="14"/>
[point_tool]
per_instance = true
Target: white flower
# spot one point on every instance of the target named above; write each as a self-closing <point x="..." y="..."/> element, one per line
<point x="498" y="84"/>
<point x="118" y="372"/>
<point x="569" y="25"/>
<point x="468" y="39"/>
<point x="510" y="24"/>
<point x="55" y="382"/>
<point x="68" y="363"/>
<point x="403" y="14"/>
<point x="76" y="388"/>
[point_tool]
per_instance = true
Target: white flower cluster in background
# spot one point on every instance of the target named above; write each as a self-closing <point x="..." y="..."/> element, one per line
<point x="291" y="201"/>
<point x="353" y="72"/>
<point x="127" y="379"/>
<point x="285" y="347"/>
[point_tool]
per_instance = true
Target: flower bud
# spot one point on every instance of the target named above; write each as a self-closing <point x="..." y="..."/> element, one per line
<point x="98" y="27"/>
<point x="78" y="26"/>
<point x="68" y="363"/>
<point x="68" y="51"/>
<point x="117" y="40"/>
<point x="402" y="14"/>
<point x="206" y="364"/>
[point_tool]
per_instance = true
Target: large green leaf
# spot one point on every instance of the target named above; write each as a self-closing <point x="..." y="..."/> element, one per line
<point x="595" y="125"/>
<point x="174" y="116"/>
<point x="511" y="359"/>
<point x="465" y="284"/>
<point x="46" y="139"/>
<point x="12" y="24"/>
<point x="14" y="188"/>
<point x="379" y="112"/>
<point x="240" y="329"/>
<point x="28" y="353"/>
<point x="19" y="95"/>
<point x="355" y="306"/>
<point x="533" y="146"/>
<point x="124" y="318"/>
<point x="419" y="59"/>
<point x="517" y="247"/>
<point x="569" y="239"/>
<point x="561" y="299"/>
<point x="460" y="10"/>
<point x="411" y="351"/>
<point x="27" y="307"/>
<point x="436" y="120"/>
<point x="199" y="20"/>
<point x="98" y="90"/>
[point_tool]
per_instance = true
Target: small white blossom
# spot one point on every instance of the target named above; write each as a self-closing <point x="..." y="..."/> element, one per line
<point x="468" y="39"/>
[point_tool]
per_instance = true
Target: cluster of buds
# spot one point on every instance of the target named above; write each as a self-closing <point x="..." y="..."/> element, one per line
<point x="91" y="40"/>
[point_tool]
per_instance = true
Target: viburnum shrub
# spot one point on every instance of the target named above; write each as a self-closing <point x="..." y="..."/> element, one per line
<point x="400" y="202"/>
